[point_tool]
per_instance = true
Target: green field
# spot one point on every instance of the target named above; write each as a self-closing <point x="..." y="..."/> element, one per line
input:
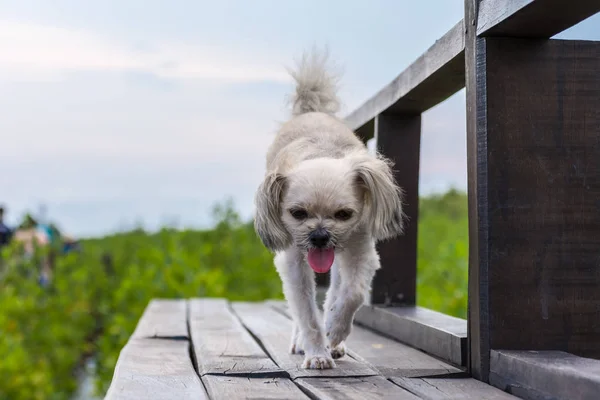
<point x="97" y="297"/>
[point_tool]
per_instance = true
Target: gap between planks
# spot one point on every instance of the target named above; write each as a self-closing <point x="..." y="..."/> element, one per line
<point x="233" y="363"/>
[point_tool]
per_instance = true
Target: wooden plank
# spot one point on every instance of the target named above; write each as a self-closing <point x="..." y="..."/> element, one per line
<point x="399" y="139"/>
<point x="432" y="78"/>
<point x="543" y="157"/>
<point x="433" y="332"/>
<point x="478" y="314"/>
<point x="389" y="357"/>
<point x="163" y="318"/>
<point x="457" y="387"/>
<point x="531" y="18"/>
<point x="155" y="369"/>
<point x="545" y="374"/>
<point x="535" y="274"/>
<point x="364" y="388"/>
<point x="392" y="358"/>
<point x="233" y="388"/>
<point x="222" y="345"/>
<point x="274" y="332"/>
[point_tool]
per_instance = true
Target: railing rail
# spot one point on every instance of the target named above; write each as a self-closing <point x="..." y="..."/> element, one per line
<point x="533" y="145"/>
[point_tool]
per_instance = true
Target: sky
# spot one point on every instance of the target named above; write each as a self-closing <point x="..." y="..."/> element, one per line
<point x="116" y="112"/>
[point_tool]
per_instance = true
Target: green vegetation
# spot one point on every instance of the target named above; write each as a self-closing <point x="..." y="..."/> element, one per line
<point x="443" y="255"/>
<point x="96" y="297"/>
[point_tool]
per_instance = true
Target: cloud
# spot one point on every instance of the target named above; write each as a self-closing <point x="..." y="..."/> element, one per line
<point x="44" y="52"/>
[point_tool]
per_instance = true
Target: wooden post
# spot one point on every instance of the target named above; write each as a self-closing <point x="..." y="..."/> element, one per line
<point x="533" y="132"/>
<point x="477" y="314"/>
<point x="398" y="138"/>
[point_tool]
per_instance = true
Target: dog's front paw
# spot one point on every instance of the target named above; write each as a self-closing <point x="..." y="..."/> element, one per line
<point x="338" y="351"/>
<point x="323" y="361"/>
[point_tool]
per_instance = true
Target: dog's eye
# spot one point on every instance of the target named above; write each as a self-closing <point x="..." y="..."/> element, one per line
<point x="343" y="215"/>
<point x="299" y="213"/>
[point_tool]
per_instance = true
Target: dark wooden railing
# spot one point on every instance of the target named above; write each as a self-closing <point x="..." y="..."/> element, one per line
<point x="533" y="160"/>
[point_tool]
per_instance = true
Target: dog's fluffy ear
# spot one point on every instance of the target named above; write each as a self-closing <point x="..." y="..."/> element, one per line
<point x="267" y="221"/>
<point x="382" y="196"/>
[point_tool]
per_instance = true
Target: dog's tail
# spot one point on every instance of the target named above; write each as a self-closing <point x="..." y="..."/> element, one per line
<point x="316" y="85"/>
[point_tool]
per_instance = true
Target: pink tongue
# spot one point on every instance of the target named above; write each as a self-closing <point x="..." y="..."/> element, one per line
<point x="320" y="260"/>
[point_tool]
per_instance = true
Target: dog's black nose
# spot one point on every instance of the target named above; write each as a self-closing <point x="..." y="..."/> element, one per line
<point x="319" y="238"/>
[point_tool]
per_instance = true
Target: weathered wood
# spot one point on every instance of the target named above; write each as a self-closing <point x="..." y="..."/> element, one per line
<point x="392" y="358"/>
<point x="538" y="179"/>
<point x="364" y="388"/>
<point x="389" y="357"/>
<point x="163" y="318"/>
<point x="433" y="332"/>
<point x="478" y="338"/>
<point x="453" y="387"/>
<point x="221" y="344"/>
<point x="234" y="388"/>
<point x="367" y="131"/>
<point x="532" y="18"/>
<point x="544" y="214"/>
<point x="545" y="375"/>
<point x="155" y="369"/>
<point x="274" y="330"/>
<point x="432" y="78"/>
<point x="399" y="138"/>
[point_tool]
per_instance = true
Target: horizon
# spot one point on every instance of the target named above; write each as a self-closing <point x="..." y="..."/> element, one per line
<point x="108" y="119"/>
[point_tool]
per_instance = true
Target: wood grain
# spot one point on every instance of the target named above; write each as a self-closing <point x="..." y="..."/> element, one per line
<point x="456" y="387"/>
<point x="543" y="168"/>
<point x="433" y="332"/>
<point x="531" y="18"/>
<point x="273" y="330"/>
<point x="389" y="357"/>
<point x="163" y="318"/>
<point x="432" y="78"/>
<point x="478" y="313"/>
<point x="392" y="358"/>
<point x="155" y="369"/>
<point x="364" y="388"/>
<point x="545" y="374"/>
<point x="221" y="344"/>
<point x="399" y="138"/>
<point x="534" y="275"/>
<point x="235" y="387"/>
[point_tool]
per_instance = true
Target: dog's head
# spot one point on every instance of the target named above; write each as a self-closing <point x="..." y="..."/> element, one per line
<point x="321" y="202"/>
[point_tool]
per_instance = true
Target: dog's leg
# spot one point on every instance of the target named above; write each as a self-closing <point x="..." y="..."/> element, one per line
<point x="296" y="346"/>
<point x="333" y="293"/>
<point x="299" y="290"/>
<point x="357" y="267"/>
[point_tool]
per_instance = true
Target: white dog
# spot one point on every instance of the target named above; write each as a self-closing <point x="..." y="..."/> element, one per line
<point x="324" y="198"/>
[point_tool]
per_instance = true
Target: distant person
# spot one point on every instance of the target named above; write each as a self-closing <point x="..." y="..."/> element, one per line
<point x="5" y="231"/>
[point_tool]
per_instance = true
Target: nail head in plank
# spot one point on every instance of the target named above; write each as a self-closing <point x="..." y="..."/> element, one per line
<point x="545" y="374"/>
<point x="221" y="344"/>
<point x="163" y="318"/>
<point x="435" y="333"/>
<point x="236" y="387"/>
<point x="274" y="332"/>
<point x="459" y="387"/>
<point x="363" y="388"/>
<point x="155" y="369"/>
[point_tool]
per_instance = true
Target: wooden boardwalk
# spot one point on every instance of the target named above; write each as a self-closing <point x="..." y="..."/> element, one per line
<point x="533" y="324"/>
<point x="212" y="349"/>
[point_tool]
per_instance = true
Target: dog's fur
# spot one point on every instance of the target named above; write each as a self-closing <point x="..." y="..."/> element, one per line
<point x="317" y="164"/>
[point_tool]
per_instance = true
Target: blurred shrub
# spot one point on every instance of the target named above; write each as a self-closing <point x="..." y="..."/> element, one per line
<point x="97" y="297"/>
